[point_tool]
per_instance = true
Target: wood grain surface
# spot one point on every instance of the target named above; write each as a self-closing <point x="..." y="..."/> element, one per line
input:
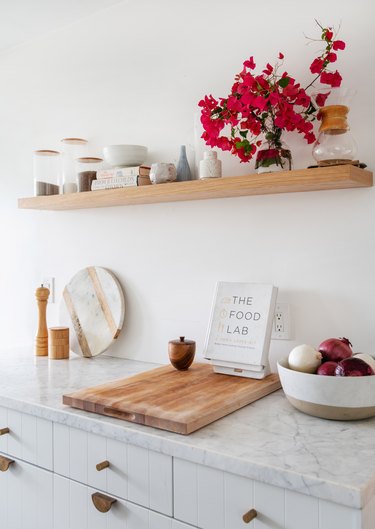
<point x="178" y="401"/>
<point x="322" y="178"/>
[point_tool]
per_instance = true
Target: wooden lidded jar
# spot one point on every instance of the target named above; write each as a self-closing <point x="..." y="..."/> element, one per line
<point x="181" y="353"/>
<point x="58" y="343"/>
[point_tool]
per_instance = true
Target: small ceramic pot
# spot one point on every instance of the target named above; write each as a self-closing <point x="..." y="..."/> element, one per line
<point x="181" y="353"/>
<point x="161" y="173"/>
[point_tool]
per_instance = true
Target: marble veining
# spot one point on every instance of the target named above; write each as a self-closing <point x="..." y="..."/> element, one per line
<point x="268" y="440"/>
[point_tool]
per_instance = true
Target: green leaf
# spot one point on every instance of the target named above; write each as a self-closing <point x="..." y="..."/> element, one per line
<point x="243" y="133"/>
<point x="283" y="82"/>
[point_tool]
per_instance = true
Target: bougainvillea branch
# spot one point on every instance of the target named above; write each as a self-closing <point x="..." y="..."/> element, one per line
<point x="259" y="107"/>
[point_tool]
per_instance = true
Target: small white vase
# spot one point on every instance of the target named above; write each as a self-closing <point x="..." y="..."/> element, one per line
<point x="210" y="166"/>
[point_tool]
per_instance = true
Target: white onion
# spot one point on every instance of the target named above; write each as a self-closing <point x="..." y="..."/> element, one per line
<point x="304" y="358"/>
<point x="366" y="358"/>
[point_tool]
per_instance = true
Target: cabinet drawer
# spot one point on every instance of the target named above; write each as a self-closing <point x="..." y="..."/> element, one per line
<point x="130" y="472"/>
<point x="29" y="437"/>
<point x="74" y="509"/>
<point x="26" y="498"/>
<point x="213" y="499"/>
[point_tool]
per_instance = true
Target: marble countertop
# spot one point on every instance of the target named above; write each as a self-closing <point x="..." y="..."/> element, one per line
<point x="267" y="440"/>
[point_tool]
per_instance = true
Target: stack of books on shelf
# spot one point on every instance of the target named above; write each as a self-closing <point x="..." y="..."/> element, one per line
<point x="122" y="177"/>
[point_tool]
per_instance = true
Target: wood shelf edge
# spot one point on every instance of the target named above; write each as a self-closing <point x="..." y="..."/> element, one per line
<point x="300" y="180"/>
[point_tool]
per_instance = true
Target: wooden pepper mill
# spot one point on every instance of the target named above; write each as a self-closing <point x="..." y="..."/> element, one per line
<point x="41" y="340"/>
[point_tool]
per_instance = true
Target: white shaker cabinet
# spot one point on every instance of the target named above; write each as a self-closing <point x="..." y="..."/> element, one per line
<point x="74" y="508"/>
<point x="26" y="496"/>
<point x="212" y="499"/>
<point x="141" y="476"/>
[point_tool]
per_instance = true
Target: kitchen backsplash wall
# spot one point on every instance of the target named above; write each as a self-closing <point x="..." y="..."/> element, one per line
<point x="134" y="74"/>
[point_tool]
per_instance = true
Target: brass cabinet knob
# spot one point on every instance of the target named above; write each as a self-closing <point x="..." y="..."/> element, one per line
<point x="102" y="465"/>
<point x="5" y="463"/>
<point x="102" y="502"/>
<point x="249" y="515"/>
<point x="3" y="431"/>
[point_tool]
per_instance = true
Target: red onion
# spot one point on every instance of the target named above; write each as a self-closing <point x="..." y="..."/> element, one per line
<point x="327" y="369"/>
<point x="353" y="367"/>
<point x="335" y="349"/>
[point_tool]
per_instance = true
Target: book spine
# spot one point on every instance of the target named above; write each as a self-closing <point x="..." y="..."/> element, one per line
<point x="104" y="185"/>
<point x="128" y="180"/>
<point x="119" y="172"/>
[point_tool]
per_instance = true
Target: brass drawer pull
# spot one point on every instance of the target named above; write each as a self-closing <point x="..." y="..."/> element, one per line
<point x="249" y="515"/>
<point x="102" y="465"/>
<point x="5" y="463"/>
<point x="3" y="431"/>
<point x="102" y="502"/>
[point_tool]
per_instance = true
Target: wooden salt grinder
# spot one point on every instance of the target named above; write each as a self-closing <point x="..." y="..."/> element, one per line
<point x="41" y="340"/>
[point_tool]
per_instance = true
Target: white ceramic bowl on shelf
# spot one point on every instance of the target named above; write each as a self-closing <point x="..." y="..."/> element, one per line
<point x="125" y="155"/>
<point x="337" y="398"/>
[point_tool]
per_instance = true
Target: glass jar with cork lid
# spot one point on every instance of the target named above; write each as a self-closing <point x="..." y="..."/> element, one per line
<point x="47" y="172"/>
<point x="73" y="148"/>
<point x="87" y="169"/>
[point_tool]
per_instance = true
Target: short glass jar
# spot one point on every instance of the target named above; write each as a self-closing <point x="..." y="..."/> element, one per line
<point x="73" y="148"/>
<point x="87" y="169"/>
<point x="46" y="172"/>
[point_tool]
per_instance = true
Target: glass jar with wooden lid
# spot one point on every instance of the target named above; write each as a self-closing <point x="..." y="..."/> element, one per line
<point x="87" y="169"/>
<point x="47" y="172"/>
<point x="72" y="149"/>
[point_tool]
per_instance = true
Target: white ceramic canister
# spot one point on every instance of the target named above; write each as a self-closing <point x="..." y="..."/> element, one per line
<point x="210" y="166"/>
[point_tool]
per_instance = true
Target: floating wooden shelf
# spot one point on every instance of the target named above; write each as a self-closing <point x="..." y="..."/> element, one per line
<point x="338" y="177"/>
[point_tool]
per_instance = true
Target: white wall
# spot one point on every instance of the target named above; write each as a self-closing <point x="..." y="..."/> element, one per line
<point x="134" y="74"/>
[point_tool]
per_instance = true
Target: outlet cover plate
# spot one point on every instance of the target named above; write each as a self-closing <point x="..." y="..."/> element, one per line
<point x="281" y="326"/>
<point x="49" y="282"/>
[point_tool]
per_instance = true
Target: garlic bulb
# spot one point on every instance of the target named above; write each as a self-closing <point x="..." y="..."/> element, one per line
<point x="304" y="358"/>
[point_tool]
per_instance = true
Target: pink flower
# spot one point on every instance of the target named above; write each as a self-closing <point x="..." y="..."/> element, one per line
<point x="223" y="143"/>
<point x="321" y="99"/>
<point x="302" y="98"/>
<point x="209" y="102"/>
<point x="310" y="137"/>
<point x="317" y="65"/>
<point x="268" y="70"/>
<point x="250" y="63"/>
<point x="338" y="45"/>
<point x="331" y="57"/>
<point x="267" y="104"/>
<point x="333" y="79"/>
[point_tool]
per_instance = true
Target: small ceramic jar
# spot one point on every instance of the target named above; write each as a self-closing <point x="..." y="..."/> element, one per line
<point x="160" y="173"/>
<point x="181" y="353"/>
<point x="210" y="166"/>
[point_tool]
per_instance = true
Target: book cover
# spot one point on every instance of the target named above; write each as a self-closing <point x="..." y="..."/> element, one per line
<point x="116" y="172"/>
<point x="240" y="326"/>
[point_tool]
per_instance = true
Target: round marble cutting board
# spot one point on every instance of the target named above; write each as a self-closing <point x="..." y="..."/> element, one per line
<point x="93" y="307"/>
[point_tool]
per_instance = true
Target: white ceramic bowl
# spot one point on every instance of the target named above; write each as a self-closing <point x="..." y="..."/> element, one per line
<point x="125" y="155"/>
<point x="338" y="398"/>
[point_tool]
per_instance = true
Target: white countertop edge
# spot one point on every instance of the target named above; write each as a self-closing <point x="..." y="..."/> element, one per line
<point x="157" y="440"/>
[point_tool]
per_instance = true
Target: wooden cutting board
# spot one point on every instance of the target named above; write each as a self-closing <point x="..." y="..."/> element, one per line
<point x="178" y="401"/>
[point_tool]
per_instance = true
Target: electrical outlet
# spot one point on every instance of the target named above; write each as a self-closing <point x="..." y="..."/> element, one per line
<point x="281" y="322"/>
<point x="49" y="282"/>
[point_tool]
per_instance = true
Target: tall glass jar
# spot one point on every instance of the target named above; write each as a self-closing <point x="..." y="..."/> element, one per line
<point x="46" y="172"/>
<point x="87" y="169"/>
<point x="73" y="148"/>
